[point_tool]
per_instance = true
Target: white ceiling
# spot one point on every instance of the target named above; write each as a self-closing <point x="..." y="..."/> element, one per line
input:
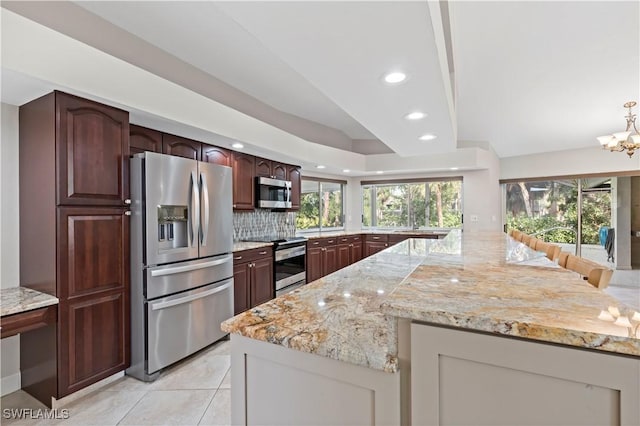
<point x="530" y="77"/>
<point x="542" y="76"/>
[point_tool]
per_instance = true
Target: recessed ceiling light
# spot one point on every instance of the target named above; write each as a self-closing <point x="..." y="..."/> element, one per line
<point x="453" y="168"/>
<point x="379" y="172"/>
<point x="346" y="171"/>
<point x="427" y="137"/>
<point x="416" y="115"/>
<point x="237" y="145"/>
<point x="320" y="166"/>
<point x="395" y="77"/>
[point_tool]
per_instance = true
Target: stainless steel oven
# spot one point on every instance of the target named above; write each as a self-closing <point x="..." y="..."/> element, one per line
<point x="289" y="268"/>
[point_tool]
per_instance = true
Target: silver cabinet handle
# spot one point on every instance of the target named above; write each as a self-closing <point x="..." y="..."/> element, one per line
<point x="127" y="201"/>
<point x="205" y="197"/>
<point x="127" y="213"/>
<point x="163" y="305"/>
<point x="263" y="252"/>
<point x="237" y="258"/>
<point x="187" y="268"/>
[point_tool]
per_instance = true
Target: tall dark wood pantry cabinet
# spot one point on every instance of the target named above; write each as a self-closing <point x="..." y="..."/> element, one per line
<point x="74" y="240"/>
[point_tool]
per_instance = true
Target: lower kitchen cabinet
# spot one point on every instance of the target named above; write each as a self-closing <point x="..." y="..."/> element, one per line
<point x="375" y="243"/>
<point x="252" y="278"/>
<point x="322" y="258"/>
<point x="94" y="340"/>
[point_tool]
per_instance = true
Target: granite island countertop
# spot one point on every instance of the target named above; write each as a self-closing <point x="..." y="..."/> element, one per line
<point x="476" y="281"/>
<point x="16" y="300"/>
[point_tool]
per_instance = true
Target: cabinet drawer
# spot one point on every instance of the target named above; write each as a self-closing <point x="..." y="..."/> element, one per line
<point x="252" y="255"/>
<point x="323" y="242"/>
<point x="26" y="321"/>
<point x="377" y="237"/>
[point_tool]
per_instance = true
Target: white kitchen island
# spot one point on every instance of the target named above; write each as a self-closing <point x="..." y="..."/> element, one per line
<point x="444" y="331"/>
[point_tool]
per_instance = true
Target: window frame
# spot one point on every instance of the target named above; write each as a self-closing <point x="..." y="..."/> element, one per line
<point x="373" y="185"/>
<point x="320" y="182"/>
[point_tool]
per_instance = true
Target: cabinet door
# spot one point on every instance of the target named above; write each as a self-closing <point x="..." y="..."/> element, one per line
<point x="262" y="286"/>
<point x="373" y="247"/>
<point x="314" y="263"/>
<point x="181" y="147"/>
<point x="93" y="340"/>
<point x="263" y="167"/>
<point x="330" y="259"/>
<point x="241" y="277"/>
<point x="343" y="254"/>
<point x="93" y="251"/>
<point x="279" y="170"/>
<point x="295" y="177"/>
<point x="216" y="155"/>
<point x="92" y="152"/>
<point x="142" y="139"/>
<point x="243" y="173"/>
<point x="356" y="252"/>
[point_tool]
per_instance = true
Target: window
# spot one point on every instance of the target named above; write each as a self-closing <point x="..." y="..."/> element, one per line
<point x="321" y="205"/>
<point x="412" y="205"/>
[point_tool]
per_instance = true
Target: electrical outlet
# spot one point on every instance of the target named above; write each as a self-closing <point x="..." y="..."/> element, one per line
<point x="474" y="218"/>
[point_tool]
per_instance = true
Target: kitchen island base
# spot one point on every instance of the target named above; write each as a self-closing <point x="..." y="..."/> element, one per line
<point x="462" y="377"/>
<point x="274" y="385"/>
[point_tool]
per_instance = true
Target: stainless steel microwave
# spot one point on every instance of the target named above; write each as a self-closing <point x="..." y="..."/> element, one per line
<point x="273" y="193"/>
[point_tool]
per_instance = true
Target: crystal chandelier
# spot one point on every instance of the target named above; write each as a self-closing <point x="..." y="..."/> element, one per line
<point x="629" y="140"/>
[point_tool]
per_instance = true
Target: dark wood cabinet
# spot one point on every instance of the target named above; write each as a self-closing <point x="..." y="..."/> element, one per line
<point x="216" y="155"/>
<point x="263" y="167"/>
<point x="279" y="171"/>
<point x="241" y="290"/>
<point x="295" y="177"/>
<point x="93" y="245"/>
<point x="252" y="278"/>
<point x="262" y="286"/>
<point x="343" y="255"/>
<point x="356" y="252"/>
<point x="322" y="258"/>
<point x="94" y="332"/>
<point x="92" y="151"/>
<point x="373" y="247"/>
<point x="74" y="241"/>
<point x="243" y="181"/>
<point x="142" y="139"/>
<point x="270" y="168"/>
<point x="181" y="147"/>
<point x="330" y="259"/>
<point x="314" y="264"/>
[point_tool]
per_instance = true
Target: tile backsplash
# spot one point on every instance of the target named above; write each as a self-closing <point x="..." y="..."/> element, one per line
<point x="263" y="223"/>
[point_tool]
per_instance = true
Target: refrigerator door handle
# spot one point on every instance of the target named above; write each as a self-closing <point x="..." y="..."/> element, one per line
<point x="195" y="209"/>
<point x="186" y="299"/>
<point x="187" y="268"/>
<point x="205" y="220"/>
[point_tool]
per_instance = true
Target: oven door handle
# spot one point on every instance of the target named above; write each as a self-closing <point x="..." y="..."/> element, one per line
<point x="186" y="299"/>
<point x="188" y="268"/>
<point x="289" y="253"/>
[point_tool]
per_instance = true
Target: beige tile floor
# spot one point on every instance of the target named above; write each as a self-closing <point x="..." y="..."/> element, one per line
<point x="195" y="391"/>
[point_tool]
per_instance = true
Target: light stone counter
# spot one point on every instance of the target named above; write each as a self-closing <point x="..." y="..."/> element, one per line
<point x="249" y="245"/>
<point x="328" y="234"/>
<point x="479" y="281"/>
<point x="21" y="299"/>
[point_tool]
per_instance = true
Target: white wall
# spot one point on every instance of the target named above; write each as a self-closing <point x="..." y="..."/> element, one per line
<point x="9" y="238"/>
<point x="571" y="162"/>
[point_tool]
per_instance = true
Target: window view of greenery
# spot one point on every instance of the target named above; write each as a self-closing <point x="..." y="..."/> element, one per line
<point x="413" y="205"/>
<point x="321" y="205"/>
<point x="535" y="207"/>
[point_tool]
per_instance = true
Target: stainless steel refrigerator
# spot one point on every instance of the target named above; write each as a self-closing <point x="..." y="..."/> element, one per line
<point x="181" y="259"/>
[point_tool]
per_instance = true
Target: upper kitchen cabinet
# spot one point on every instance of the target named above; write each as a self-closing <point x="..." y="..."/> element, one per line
<point x="216" y="155"/>
<point x="181" y="147"/>
<point x="294" y="175"/>
<point x="243" y="181"/>
<point x="91" y="143"/>
<point x="272" y="169"/>
<point x="142" y="139"/>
